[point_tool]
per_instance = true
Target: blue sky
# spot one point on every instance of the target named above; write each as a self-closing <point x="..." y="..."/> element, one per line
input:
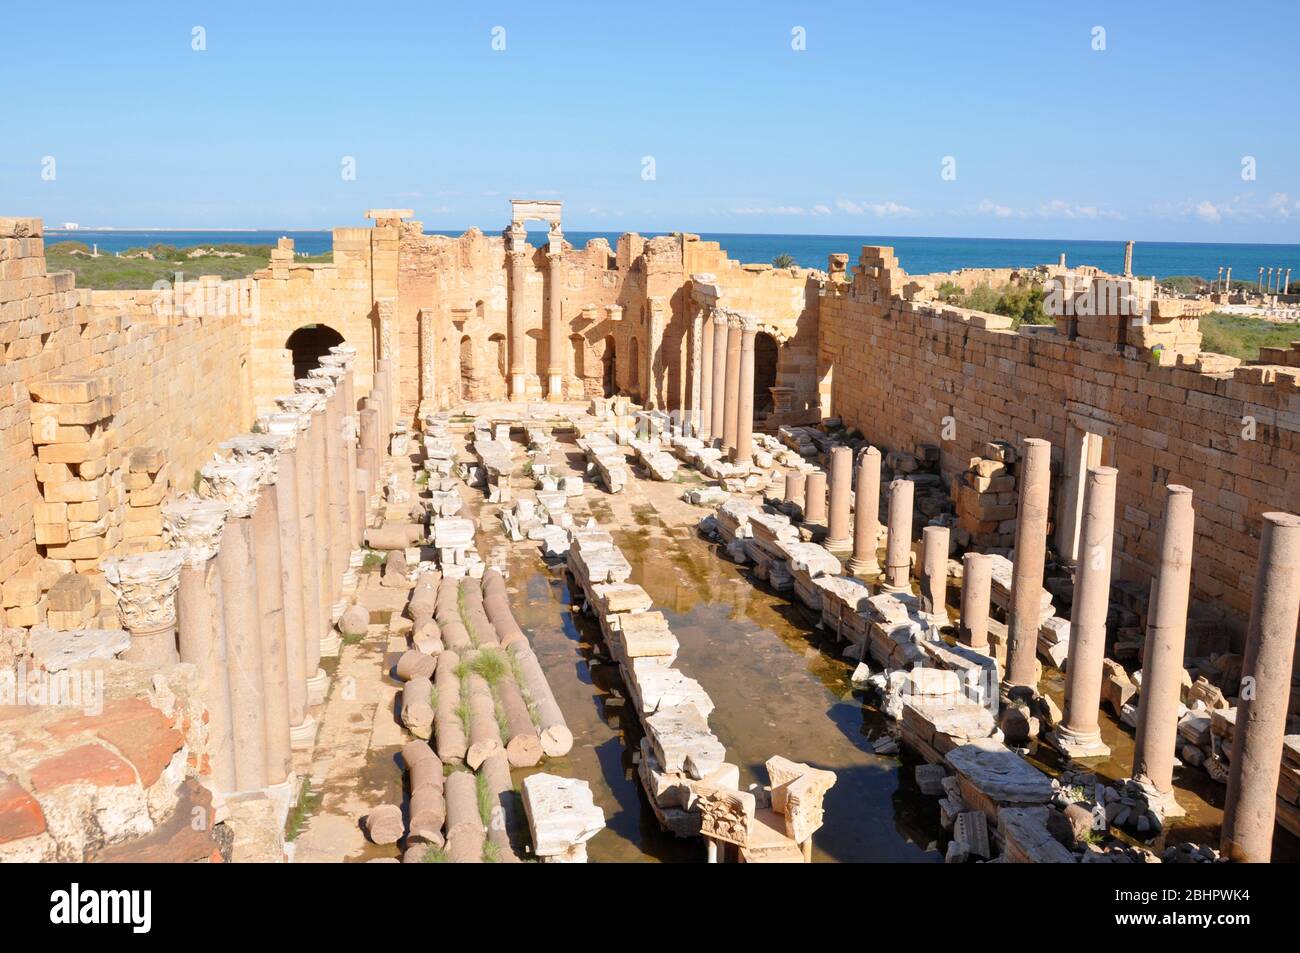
<point x="1050" y="138"/>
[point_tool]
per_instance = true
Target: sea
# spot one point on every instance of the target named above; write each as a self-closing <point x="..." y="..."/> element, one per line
<point x="917" y="256"/>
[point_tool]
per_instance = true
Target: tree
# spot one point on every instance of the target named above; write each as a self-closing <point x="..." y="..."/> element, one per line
<point x="784" y="260"/>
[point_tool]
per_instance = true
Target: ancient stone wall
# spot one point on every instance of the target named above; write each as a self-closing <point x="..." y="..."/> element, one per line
<point x="175" y="383"/>
<point x="906" y="374"/>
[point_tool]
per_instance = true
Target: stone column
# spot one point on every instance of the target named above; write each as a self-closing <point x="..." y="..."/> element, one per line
<point x="145" y="586"/>
<point x="265" y="523"/>
<point x="1162" y="657"/>
<point x="744" y="453"/>
<point x="236" y="485"/>
<point x="718" y="408"/>
<point x="898" y="545"/>
<point x="731" y="420"/>
<point x="837" y="536"/>
<point x="976" y="587"/>
<point x="1128" y="258"/>
<point x="934" y="573"/>
<point x="1251" y="808"/>
<point x="517" y="252"/>
<point x="796" y="486"/>
<point x="324" y="529"/>
<point x="194" y="527"/>
<point x="555" y="337"/>
<point x="866" y="515"/>
<point x="706" y="378"/>
<point x="339" y="516"/>
<point x="814" y="507"/>
<point x="383" y="402"/>
<point x="368" y="425"/>
<point x="1227" y="281"/>
<point x="1079" y="735"/>
<point x="1268" y="282"/>
<point x="654" y="342"/>
<point x="1029" y="559"/>
<point x="294" y="502"/>
<point x="695" y="389"/>
<point x="1285" y="284"/>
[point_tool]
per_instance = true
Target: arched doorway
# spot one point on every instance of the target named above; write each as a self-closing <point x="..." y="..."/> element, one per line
<point x="309" y="344"/>
<point x="609" y="385"/>
<point x="765" y="358"/>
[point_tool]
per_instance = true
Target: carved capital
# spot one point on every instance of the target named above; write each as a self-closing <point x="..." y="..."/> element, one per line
<point x="304" y="403"/>
<point x="193" y="527"/>
<point x="720" y="317"/>
<point x="261" y="450"/>
<point x="321" y="386"/>
<point x="235" y="484"/>
<point x="145" y="586"/>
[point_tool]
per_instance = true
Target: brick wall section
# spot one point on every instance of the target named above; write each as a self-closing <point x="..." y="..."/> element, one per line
<point x="900" y="368"/>
<point x="178" y="383"/>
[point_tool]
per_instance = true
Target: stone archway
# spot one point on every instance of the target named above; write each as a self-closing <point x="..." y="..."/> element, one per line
<point x="609" y="369"/>
<point x="766" y="356"/>
<point x="309" y="344"/>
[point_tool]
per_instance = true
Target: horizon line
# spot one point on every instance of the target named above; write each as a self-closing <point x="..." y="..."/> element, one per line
<point x="656" y="232"/>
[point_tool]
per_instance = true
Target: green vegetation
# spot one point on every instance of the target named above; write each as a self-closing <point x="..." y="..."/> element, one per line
<point x="435" y="855"/>
<point x="491" y="852"/>
<point x="1241" y="336"/>
<point x="489" y="666"/>
<point x="784" y="260"/>
<point x="307" y="803"/>
<point x="1023" y="304"/>
<point x="132" y="270"/>
<point x="484" y="798"/>
<point x="372" y="559"/>
<point x="462" y="710"/>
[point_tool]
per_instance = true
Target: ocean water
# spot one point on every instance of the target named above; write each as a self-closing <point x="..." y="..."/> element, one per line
<point x="917" y="256"/>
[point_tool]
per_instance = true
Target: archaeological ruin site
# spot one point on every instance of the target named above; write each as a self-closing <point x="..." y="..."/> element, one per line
<point x="493" y="548"/>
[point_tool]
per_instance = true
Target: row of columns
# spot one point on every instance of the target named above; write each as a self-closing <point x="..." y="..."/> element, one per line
<point x="1266" y="685"/>
<point x="256" y="573"/>
<point x="517" y="254"/>
<point x="1268" y="284"/>
<point x="1250" y="810"/>
<point x="726" y="392"/>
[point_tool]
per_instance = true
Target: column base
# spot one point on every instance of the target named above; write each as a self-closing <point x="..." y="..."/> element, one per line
<point x="303" y="737"/>
<point x="1078" y="746"/>
<point x="838" y="545"/>
<point x="517" y="386"/>
<point x="863" y="567"/>
<point x="331" y="645"/>
<point x="317" y="686"/>
<point x="555" y="388"/>
<point x="1161" y="802"/>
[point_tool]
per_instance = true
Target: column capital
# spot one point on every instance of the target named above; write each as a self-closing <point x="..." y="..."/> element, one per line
<point x="315" y="384"/>
<point x="261" y="450"/>
<point x="304" y="403"/>
<point x="194" y="526"/>
<point x="145" y="586"/>
<point x="235" y="484"/>
<point x="720" y="318"/>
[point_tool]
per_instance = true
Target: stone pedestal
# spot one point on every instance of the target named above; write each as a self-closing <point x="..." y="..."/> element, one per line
<point x="744" y="453"/>
<point x="1162" y="658"/>
<point x="866" y="515"/>
<point x="1028" y="559"/>
<point x="837" y="535"/>
<point x="976" y="588"/>
<point x="718" y="410"/>
<point x="898" y="544"/>
<point x="194" y="527"/>
<point x="934" y="573"/>
<point x="1079" y="734"/>
<point x="145" y="586"/>
<point x="1250" y="811"/>
<point x="731" y="421"/>
<point x="814" y="507"/>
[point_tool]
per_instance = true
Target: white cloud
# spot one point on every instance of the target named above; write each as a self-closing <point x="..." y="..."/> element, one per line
<point x="878" y="209"/>
<point x="1206" y="211"/>
<point x="992" y="208"/>
<point x="820" y="210"/>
